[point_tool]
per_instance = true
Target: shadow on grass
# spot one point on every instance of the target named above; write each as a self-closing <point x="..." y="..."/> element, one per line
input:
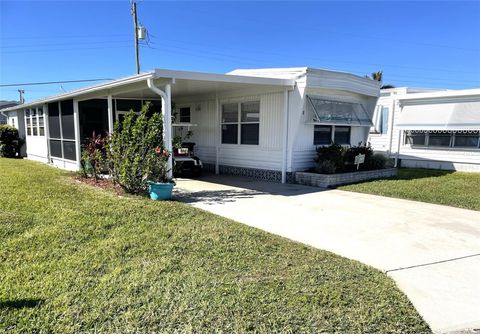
<point x="20" y="303"/>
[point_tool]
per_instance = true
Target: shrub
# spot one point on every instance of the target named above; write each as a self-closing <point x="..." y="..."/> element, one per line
<point x="132" y="150"/>
<point x="93" y="156"/>
<point x="10" y="142"/>
<point x="333" y="153"/>
<point x="352" y="152"/>
<point x="325" y="167"/>
<point x="376" y="161"/>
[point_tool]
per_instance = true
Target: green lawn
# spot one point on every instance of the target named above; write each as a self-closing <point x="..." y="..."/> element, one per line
<point x="427" y="185"/>
<point x="74" y="258"/>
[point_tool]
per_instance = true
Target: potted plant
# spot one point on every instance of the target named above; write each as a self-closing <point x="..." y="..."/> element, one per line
<point x="160" y="186"/>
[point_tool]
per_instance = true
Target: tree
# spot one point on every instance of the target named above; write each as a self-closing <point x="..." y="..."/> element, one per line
<point x="378" y="76"/>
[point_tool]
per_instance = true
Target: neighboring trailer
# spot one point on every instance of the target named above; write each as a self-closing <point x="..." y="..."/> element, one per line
<point x="263" y="123"/>
<point x="429" y="129"/>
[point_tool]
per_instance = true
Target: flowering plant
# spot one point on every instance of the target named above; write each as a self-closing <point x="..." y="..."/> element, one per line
<point x="158" y="165"/>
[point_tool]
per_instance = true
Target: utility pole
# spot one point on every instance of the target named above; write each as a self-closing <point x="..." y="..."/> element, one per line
<point x="135" y="27"/>
<point x="22" y="99"/>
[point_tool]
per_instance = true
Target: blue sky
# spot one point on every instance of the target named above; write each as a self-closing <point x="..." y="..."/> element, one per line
<point x="419" y="44"/>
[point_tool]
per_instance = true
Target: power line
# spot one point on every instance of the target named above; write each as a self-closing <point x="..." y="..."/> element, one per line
<point x="52" y="82"/>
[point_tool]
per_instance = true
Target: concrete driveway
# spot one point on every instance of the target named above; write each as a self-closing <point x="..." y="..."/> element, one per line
<point x="431" y="251"/>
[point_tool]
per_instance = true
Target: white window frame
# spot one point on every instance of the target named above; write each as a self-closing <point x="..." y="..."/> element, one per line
<point x="37" y="119"/>
<point x="239" y="121"/>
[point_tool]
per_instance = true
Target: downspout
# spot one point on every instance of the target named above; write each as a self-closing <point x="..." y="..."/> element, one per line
<point x="390" y="144"/>
<point x="167" y="119"/>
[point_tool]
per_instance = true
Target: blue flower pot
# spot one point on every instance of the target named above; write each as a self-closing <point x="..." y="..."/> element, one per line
<point x="160" y="191"/>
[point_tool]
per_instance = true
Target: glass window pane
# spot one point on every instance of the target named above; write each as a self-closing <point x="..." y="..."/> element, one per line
<point x="29" y="131"/>
<point x="415" y="138"/>
<point x="40" y="111"/>
<point x="41" y="122"/>
<point x="322" y="135"/>
<point x="68" y="127"/>
<point x="42" y="131"/>
<point x="33" y="112"/>
<point x="53" y="120"/>
<point x="249" y="134"/>
<point x="34" y="121"/>
<point x="127" y="105"/>
<point x="27" y="112"/>
<point x="55" y="147"/>
<point x="230" y="113"/>
<point x="466" y="140"/>
<point x="34" y="131"/>
<point x="185" y="115"/>
<point x="385" y="112"/>
<point x="250" y="111"/>
<point x="342" y="135"/>
<point x="439" y="139"/>
<point x="69" y="151"/>
<point x="29" y="121"/>
<point x="229" y="133"/>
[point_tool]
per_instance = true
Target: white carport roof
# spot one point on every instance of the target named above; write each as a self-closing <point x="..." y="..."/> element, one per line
<point x="186" y="83"/>
<point x="450" y="110"/>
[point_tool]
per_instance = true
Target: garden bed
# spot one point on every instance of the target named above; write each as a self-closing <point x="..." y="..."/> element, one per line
<point x="332" y="180"/>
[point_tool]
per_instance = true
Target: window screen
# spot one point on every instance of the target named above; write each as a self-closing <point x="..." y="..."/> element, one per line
<point x="342" y="135"/>
<point x="93" y="116"/>
<point x="322" y="135"/>
<point x="185" y="115"/>
<point x="127" y="105"/>
<point x="68" y="126"/>
<point x="415" y="138"/>
<point x="439" y="139"/>
<point x="466" y="139"/>
<point x="69" y="150"/>
<point x="229" y="133"/>
<point x="56" y="148"/>
<point x="249" y="134"/>
<point x="53" y="120"/>
<point x="230" y="113"/>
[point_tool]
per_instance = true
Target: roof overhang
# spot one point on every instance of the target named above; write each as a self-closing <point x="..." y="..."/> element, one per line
<point x="186" y="83"/>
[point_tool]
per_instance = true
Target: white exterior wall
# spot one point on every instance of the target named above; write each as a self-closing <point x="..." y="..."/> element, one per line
<point x="424" y="157"/>
<point x="266" y="155"/>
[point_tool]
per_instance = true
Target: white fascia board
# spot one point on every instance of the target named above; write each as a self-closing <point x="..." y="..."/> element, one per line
<point x="441" y="96"/>
<point x="86" y="90"/>
<point x="227" y="78"/>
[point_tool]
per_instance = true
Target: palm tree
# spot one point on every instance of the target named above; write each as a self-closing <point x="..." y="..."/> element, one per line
<point x="378" y="76"/>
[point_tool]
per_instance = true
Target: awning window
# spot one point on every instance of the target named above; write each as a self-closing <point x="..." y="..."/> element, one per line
<point x="330" y="112"/>
<point x="440" y="116"/>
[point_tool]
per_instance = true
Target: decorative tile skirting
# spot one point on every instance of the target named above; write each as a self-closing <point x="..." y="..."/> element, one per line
<point x="256" y="173"/>
<point x="331" y="180"/>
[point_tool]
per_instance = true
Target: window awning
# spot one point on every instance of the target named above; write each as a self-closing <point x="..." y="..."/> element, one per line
<point x="322" y="111"/>
<point x="440" y="116"/>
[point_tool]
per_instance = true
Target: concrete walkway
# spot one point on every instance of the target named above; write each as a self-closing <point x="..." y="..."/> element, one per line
<point x="431" y="251"/>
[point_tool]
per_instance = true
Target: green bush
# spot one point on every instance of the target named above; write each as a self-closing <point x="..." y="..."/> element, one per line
<point x="352" y="152"/>
<point x="133" y="151"/>
<point x="376" y="161"/>
<point x="333" y="153"/>
<point x="10" y="142"/>
<point x="325" y="167"/>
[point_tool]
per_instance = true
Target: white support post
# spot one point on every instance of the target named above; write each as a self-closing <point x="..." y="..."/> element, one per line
<point x="217" y="135"/>
<point x="110" y="114"/>
<point x="167" y="115"/>
<point x="76" y="122"/>
<point x="285" y="136"/>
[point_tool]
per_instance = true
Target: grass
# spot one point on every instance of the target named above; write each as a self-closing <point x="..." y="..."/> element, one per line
<point x="427" y="185"/>
<point x="75" y="258"/>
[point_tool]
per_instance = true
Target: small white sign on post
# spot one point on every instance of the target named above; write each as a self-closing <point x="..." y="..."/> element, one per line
<point x="359" y="159"/>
